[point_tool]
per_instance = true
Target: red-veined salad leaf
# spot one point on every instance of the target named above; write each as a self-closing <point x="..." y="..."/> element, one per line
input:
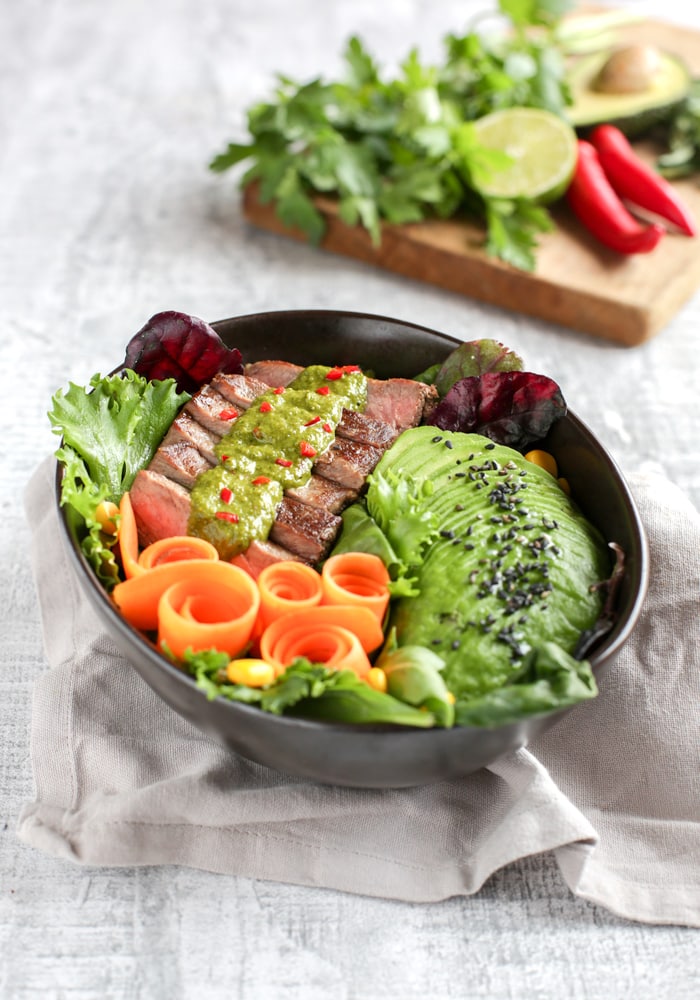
<point x="475" y="357"/>
<point x="512" y="408"/>
<point x="185" y="348"/>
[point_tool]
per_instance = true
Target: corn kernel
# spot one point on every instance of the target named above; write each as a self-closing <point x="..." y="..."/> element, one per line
<point x="376" y="678"/>
<point x="544" y="460"/>
<point x="564" y="483"/>
<point x="252" y="673"/>
<point x="105" y="514"/>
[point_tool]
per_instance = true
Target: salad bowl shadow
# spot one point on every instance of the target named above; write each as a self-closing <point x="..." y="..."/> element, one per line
<point x="380" y="756"/>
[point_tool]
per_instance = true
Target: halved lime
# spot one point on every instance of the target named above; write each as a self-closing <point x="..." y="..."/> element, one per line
<point x="542" y="148"/>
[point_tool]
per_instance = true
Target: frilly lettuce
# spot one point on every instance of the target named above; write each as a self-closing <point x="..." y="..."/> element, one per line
<point x="110" y="430"/>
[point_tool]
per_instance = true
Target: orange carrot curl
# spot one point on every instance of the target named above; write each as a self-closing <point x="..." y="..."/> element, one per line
<point x="359" y="579"/>
<point x="176" y="549"/>
<point x="128" y="538"/>
<point x="287" y="586"/>
<point x="208" y="613"/>
<point x="138" y="598"/>
<point x="337" y="636"/>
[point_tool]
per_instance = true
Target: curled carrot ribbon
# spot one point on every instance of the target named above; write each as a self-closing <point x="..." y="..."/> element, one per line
<point x="285" y="587"/>
<point x="358" y="579"/>
<point x="209" y="611"/>
<point x="337" y="636"/>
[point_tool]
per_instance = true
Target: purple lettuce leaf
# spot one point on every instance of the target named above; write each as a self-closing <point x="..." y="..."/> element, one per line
<point x="185" y="348"/>
<point x="475" y="357"/>
<point x="512" y="408"/>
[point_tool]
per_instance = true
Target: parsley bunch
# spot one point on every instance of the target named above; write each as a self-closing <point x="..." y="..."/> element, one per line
<point x="404" y="149"/>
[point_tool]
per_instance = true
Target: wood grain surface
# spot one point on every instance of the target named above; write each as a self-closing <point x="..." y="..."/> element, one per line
<point x="577" y="283"/>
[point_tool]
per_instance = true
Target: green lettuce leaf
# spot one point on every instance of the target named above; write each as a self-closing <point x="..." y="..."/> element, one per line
<point x="551" y="679"/>
<point x="110" y="430"/>
<point x="308" y="690"/>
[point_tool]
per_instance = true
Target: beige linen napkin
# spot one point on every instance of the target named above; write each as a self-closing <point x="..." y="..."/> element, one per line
<point x="613" y="789"/>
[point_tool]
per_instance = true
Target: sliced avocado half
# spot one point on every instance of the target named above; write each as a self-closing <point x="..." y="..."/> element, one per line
<point x="633" y="113"/>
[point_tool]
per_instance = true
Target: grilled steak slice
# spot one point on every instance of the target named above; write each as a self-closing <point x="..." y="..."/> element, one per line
<point x="306" y="531"/>
<point x="185" y="429"/>
<point x="273" y="373"/>
<point x="320" y="492"/>
<point x="359" y="427"/>
<point x="212" y="410"/>
<point x="260" y="554"/>
<point x="239" y="390"/>
<point x="179" y="461"/>
<point x="347" y="463"/>
<point x="398" y="402"/>
<point x="161" y="506"/>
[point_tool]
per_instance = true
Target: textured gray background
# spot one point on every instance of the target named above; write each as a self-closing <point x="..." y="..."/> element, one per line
<point x="109" y="113"/>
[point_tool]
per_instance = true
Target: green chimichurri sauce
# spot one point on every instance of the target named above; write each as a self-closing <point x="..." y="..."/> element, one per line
<point x="270" y="447"/>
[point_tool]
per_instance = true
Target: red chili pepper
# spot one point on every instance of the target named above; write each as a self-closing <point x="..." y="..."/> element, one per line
<point x="265" y="406"/>
<point x="327" y="428"/>
<point x="593" y="200"/>
<point x="261" y="481"/>
<point x="314" y="420"/>
<point x="230" y="414"/>
<point x="226" y="515"/>
<point x="284" y="462"/>
<point x="334" y="374"/>
<point x="226" y="494"/>
<point x="323" y="390"/>
<point x="279" y="390"/>
<point x="636" y="182"/>
<point x="306" y="450"/>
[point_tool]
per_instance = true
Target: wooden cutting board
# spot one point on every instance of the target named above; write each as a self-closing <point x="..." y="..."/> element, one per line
<point x="577" y="283"/>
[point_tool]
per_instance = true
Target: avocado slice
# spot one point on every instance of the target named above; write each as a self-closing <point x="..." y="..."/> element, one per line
<point x="514" y="564"/>
<point x="632" y="113"/>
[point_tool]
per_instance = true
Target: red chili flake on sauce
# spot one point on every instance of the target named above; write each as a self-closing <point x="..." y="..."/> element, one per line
<point x="284" y="462"/>
<point x="279" y="390"/>
<point x="307" y="450"/>
<point x="227" y="515"/>
<point x="224" y="458"/>
<point x="226" y="494"/>
<point x="261" y="480"/>
<point x="314" y="420"/>
<point x="230" y="414"/>
<point x="323" y="390"/>
<point x="348" y="369"/>
<point x="334" y="374"/>
<point x="266" y="406"/>
<point x="327" y="428"/>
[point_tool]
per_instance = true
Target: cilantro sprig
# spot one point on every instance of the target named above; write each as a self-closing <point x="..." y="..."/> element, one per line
<point x="403" y="149"/>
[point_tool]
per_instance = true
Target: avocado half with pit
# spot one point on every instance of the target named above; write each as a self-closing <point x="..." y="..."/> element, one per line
<point x="632" y="112"/>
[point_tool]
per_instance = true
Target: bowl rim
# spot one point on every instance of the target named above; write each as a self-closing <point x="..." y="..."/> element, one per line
<point x="603" y="652"/>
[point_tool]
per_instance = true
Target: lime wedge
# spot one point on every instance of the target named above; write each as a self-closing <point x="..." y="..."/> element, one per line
<point x="542" y="148"/>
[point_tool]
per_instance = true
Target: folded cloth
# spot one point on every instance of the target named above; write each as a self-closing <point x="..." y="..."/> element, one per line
<point x="613" y="789"/>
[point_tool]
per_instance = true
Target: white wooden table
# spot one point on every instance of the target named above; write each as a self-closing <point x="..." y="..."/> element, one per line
<point x="109" y="113"/>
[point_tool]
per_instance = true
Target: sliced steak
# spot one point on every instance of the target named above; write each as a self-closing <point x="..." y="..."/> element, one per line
<point x="306" y="531"/>
<point x="398" y="402"/>
<point x="185" y="429"/>
<point x="239" y="390"/>
<point x="212" y="410"/>
<point x="274" y="373"/>
<point x="179" y="461"/>
<point x="320" y="492"/>
<point x="347" y="463"/>
<point x="161" y="506"/>
<point x="359" y="427"/>
<point x="260" y="554"/>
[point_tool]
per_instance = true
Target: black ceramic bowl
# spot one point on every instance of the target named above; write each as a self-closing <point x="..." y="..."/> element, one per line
<point x="381" y="756"/>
